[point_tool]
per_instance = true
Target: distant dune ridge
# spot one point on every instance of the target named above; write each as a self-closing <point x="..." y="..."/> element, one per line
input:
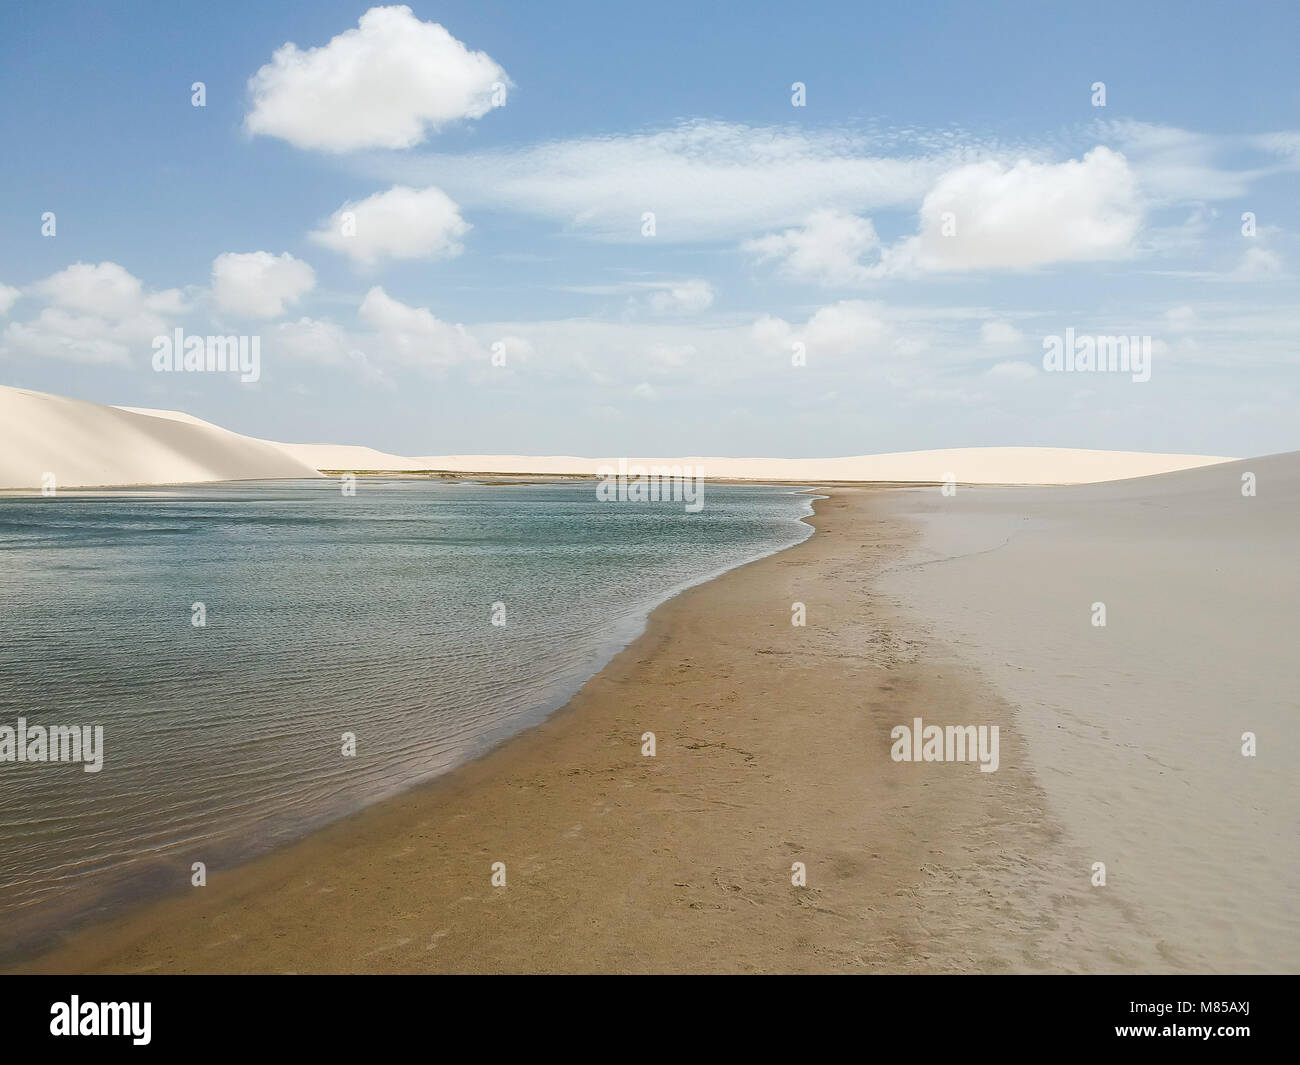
<point x="976" y="465"/>
<point x="88" y="445"/>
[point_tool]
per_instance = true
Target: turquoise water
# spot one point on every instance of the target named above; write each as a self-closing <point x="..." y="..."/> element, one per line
<point x="325" y="614"/>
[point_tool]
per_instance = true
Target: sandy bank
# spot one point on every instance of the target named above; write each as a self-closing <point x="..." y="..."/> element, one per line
<point x="772" y="748"/>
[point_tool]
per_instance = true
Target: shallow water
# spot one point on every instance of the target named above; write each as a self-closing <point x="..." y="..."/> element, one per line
<point x="325" y="615"/>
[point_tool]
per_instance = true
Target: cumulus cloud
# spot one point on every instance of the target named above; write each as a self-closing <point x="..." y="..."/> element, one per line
<point x="402" y="223"/>
<point x="979" y="216"/>
<point x="95" y="313"/>
<point x="413" y="336"/>
<point x="829" y="249"/>
<point x="987" y="216"/>
<point x="104" y="289"/>
<point x="390" y="336"/>
<point x="259" y="284"/>
<point x="59" y="334"/>
<point x="325" y="343"/>
<point x="385" y="84"/>
<point x="314" y="340"/>
<point x="847" y="327"/>
<point x="8" y="296"/>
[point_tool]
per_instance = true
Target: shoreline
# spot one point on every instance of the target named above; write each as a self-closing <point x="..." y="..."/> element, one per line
<point x="108" y="903"/>
<point x="772" y="749"/>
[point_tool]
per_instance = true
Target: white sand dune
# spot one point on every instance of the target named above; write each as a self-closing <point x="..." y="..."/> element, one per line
<point x="980" y="465"/>
<point x="1135" y="728"/>
<point x="86" y="445"/>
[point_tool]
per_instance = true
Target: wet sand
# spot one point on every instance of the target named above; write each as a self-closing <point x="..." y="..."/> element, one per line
<point x="773" y="747"/>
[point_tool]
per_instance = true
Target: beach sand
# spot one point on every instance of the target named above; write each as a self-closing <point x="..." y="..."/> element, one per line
<point x="773" y="747"/>
<point x="1135" y="728"/>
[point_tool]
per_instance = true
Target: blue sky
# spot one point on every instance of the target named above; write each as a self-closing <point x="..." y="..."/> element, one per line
<point x="777" y="227"/>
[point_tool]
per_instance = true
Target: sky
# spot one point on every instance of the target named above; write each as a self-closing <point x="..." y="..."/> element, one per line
<point x="758" y="229"/>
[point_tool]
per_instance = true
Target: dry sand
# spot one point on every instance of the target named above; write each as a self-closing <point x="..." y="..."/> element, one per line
<point x="971" y="465"/>
<point x="773" y="748"/>
<point x="86" y="445"/>
<point x="1135" y="728"/>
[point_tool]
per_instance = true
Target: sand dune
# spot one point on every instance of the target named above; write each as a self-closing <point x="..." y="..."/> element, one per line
<point x="1136" y="726"/>
<point x="86" y="445"/>
<point x="979" y="465"/>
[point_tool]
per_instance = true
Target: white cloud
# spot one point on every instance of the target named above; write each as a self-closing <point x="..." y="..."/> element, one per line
<point x="392" y="335"/>
<point x="658" y="297"/>
<point x="8" y="296"/>
<point x="413" y="336"/>
<point x="1259" y="262"/>
<point x="60" y="334"/>
<point x="385" y="84"/>
<point x="516" y="349"/>
<point x="979" y="216"/>
<point x="93" y="288"/>
<point x="95" y="314"/>
<point x="850" y="326"/>
<point x="323" y="342"/>
<point x="1181" y="166"/>
<point x="987" y="216"/>
<point x="313" y="340"/>
<point x="669" y="358"/>
<point x="1013" y="371"/>
<point x="402" y="223"/>
<point x="683" y="297"/>
<point x="828" y="248"/>
<point x="1001" y="335"/>
<point x="908" y="352"/>
<point x="259" y="284"/>
<point x="704" y="180"/>
<point x="707" y="180"/>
